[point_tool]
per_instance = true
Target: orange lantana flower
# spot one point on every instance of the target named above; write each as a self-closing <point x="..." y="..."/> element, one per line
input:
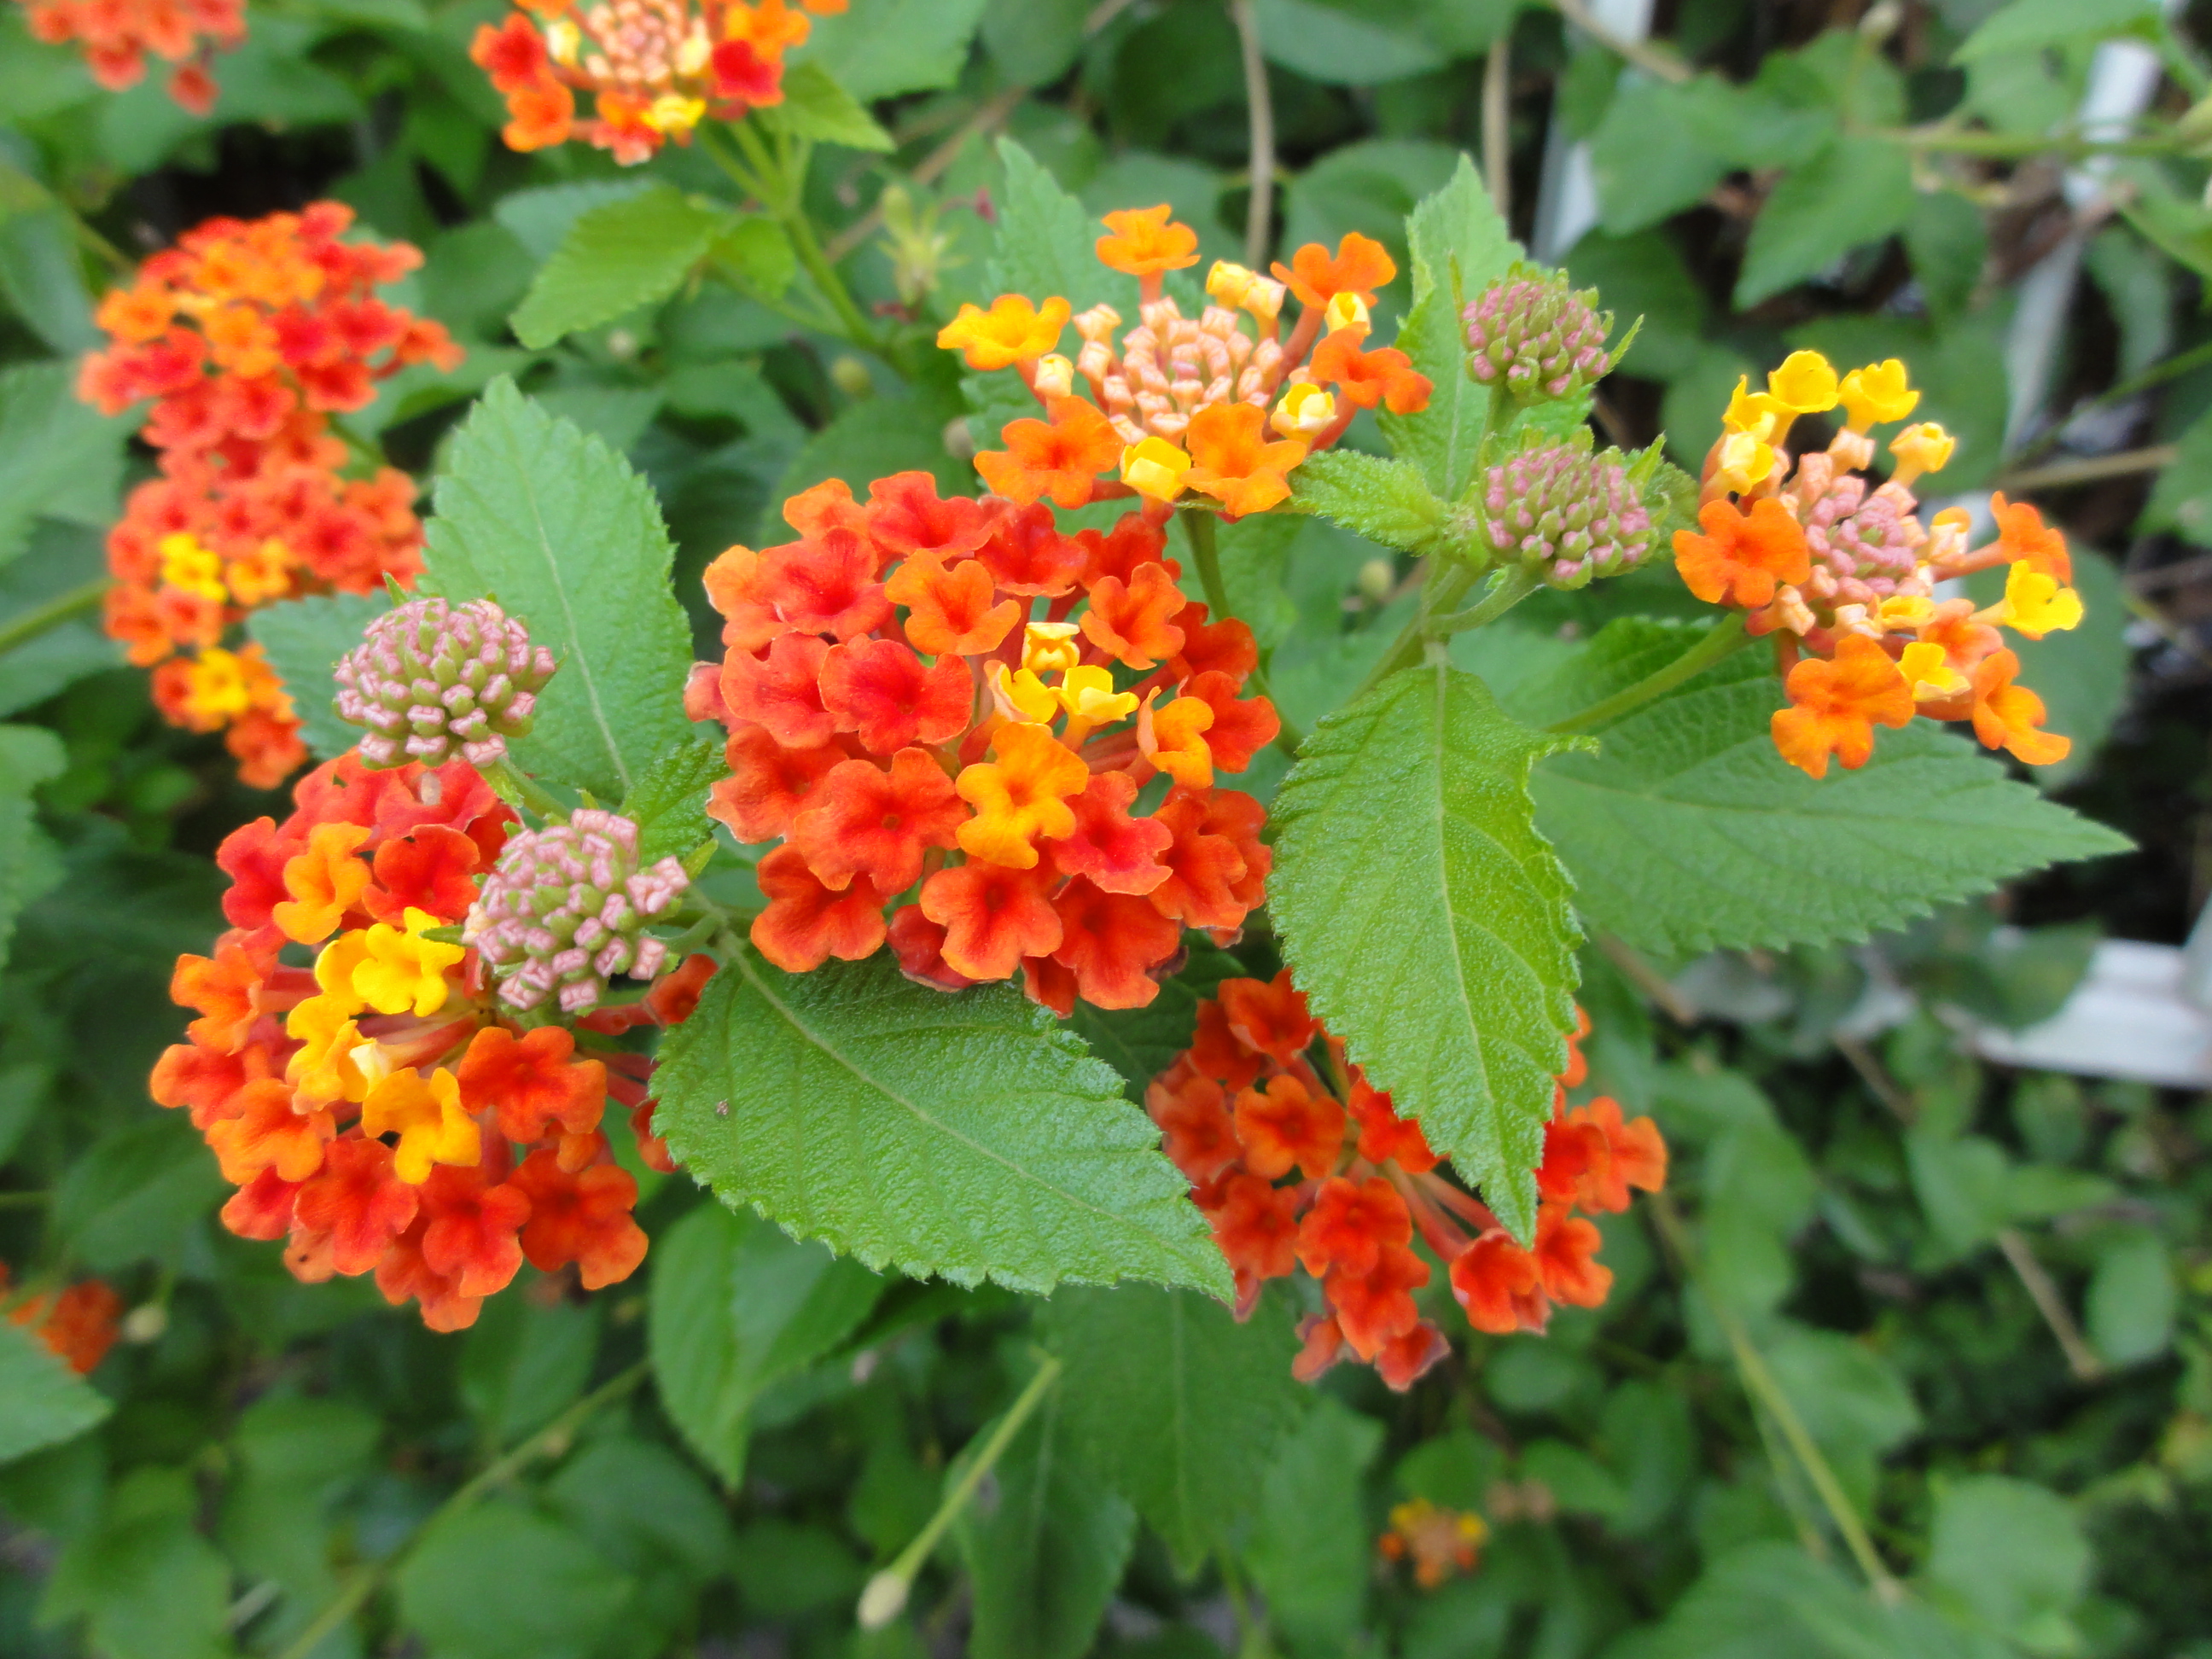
<point x="1361" y="266"/>
<point x="1020" y="796"/>
<point x="2025" y="539"/>
<point x="1834" y="705"/>
<point x="1232" y="461"/>
<point x="1012" y="332"/>
<point x="1385" y="376"/>
<point x="1057" y="457"/>
<point x="2007" y="716"/>
<point x="1741" y="556"/>
<point x="1145" y="242"/>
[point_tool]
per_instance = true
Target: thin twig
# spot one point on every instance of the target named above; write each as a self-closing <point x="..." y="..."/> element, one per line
<point x="2157" y="373"/>
<point x="2170" y="576"/>
<point x="1259" y="214"/>
<point x="992" y="112"/>
<point x="2081" y="1359"/>
<point x="1496" y="123"/>
<point x="1876" y="1076"/>
<point x="2090" y="468"/>
<point x="1649" y="980"/>
<point x="63" y="607"/>
<point x="1643" y="56"/>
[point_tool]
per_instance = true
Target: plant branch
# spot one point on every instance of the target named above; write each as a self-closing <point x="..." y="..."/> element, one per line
<point x="2156" y="374"/>
<point x="551" y="1440"/>
<point x="1723" y="639"/>
<point x="2081" y="1359"/>
<point x="1646" y="57"/>
<point x="1497" y="125"/>
<point x="1443" y="585"/>
<point x="1259" y="216"/>
<point x="2088" y="469"/>
<point x="992" y="112"/>
<point x="516" y="789"/>
<point x="1516" y="583"/>
<point x="886" y="1593"/>
<point x="43" y="618"/>
<point x="1998" y="146"/>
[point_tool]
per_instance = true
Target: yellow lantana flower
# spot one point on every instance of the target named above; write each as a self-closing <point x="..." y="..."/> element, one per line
<point x="1877" y="393"/>
<point x="1012" y="331"/>
<point x="2036" y="604"/>
<point x="428" y="1120"/>
<point x="402" y="971"/>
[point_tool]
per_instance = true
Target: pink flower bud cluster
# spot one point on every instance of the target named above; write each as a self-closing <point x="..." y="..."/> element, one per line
<point x="1566" y="514"/>
<point x="1536" y="337"/>
<point x="564" y="908"/>
<point x="432" y="682"/>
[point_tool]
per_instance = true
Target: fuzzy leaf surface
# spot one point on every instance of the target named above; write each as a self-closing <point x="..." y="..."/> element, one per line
<point x="1686" y="831"/>
<point x="46" y="1401"/>
<point x="1456" y="235"/>
<point x="815" y="107"/>
<point x="1385" y="501"/>
<point x="1183" y="1406"/>
<point x="616" y="256"/>
<point x="669" y="803"/>
<point x="1428" y="921"/>
<point x="565" y="536"/>
<point x="29" y="756"/>
<point x="965" y="1135"/>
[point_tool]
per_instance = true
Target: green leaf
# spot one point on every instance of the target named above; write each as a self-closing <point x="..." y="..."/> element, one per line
<point x="2181" y="498"/>
<point x="1688" y="831"/>
<point x="1623" y="653"/>
<point x="29" y="756"/>
<point x="1179" y="1404"/>
<point x="59" y="457"/>
<point x="303" y="639"/>
<point x="760" y="252"/>
<point x="1034" y="42"/>
<point x="815" y="107"/>
<point x="737" y="1304"/>
<point x="541" y="219"/>
<point x="1385" y="501"/>
<point x="1459" y="247"/>
<point x="2031" y="25"/>
<point x="566" y="537"/>
<point x="1857" y="191"/>
<point x="1768" y="1600"/>
<point x="42" y="1401"/>
<point x="1047" y="244"/>
<point x="60" y="557"/>
<point x="41" y="274"/>
<point x="895" y="45"/>
<point x="147" y="1584"/>
<point x="1338" y="45"/>
<point x="2009" y="1553"/>
<point x="2133" y="1298"/>
<point x="503" y="1582"/>
<point x="136" y="1193"/>
<point x="1043" y="1560"/>
<point x="959" y="1135"/>
<point x="521" y="1364"/>
<point x="1428" y="921"/>
<point x="616" y="256"/>
<point x="1310" y="1552"/>
<point x="1663" y="145"/>
<point x="669" y="803"/>
<point x="1372" y="186"/>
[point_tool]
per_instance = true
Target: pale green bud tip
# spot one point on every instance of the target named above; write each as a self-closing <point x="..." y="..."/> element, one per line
<point x="884" y="1599"/>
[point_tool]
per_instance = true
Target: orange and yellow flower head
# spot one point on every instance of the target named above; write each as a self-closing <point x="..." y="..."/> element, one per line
<point x="1840" y="569"/>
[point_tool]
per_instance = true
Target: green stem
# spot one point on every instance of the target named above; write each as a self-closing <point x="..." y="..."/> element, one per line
<point x="1205" y="550"/>
<point x="858" y="329"/>
<point x="2157" y="373"/>
<point x="1999" y="146"/>
<point x="772" y="178"/>
<point x="63" y="607"/>
<point x="550" y="1440"/>
<point x="1723" y="639"/>
<point x="517" y="790"/>
<point x="886" y="1595"/>
<point x="1446" y="582"/>
<point x="1515" y="584"/>
<point x="1759" y="1382"/>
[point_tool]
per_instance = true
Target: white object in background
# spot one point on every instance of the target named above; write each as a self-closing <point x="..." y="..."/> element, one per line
<point x="2130" y="1016"/>
<point x="2123" y="77"/>
<point x="1566" y="198"/>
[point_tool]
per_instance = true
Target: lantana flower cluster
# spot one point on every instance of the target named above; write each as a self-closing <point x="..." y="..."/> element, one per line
<point x="1223" y="404"/>
<point x="655" y="69"/>
<point x="1844" y="575"/>
<point x="247" y="336"/>
<point x="117" y="36"/>
<point x="78" y="1324"/>
<point x="1439" y="1541"/>
<point x="1298" y="1161"/>
<point x="945" y="710"/>
<point x="378" y="1110"/>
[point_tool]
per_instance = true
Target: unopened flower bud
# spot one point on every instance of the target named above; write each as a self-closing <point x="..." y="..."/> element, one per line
<point x="1535" y="337"/>
<point x="883" y="1599"/>
<point x="1155" y="468"/>
<point x="1346" y="311"/>
<point x="1376" y="578"/>
<point x="850" y="376"/>
<point x="1922" y="447"/>
<point x="564" y="909"/>
<point x="1244" y="290"/>
<point x="1054" y="376"/>
<point x="1305" y="411"/>
<point x="1566" y="514"/>
<point x="430" y="680"/>
<point x="960" y="439"/>
<point x="1050" y="647"/>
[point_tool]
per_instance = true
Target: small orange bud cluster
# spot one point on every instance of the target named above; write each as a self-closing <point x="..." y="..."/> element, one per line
<point x="1843" y="574"/>
<point x="655" y="68"/>
<point x="378" y="1110"/>
<point x="118" y="35"/>
<point x="247" y="336"/>
<point x="1184" y="404"/>
<point x="77" y="1325"/>
<point x="1440" y="1542"/>
<point x="1246" y="1106"/>
<point x="948" y="708"/>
